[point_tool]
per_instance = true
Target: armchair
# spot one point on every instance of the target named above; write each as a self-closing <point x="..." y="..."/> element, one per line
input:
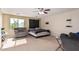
<point x="20" y="32"/>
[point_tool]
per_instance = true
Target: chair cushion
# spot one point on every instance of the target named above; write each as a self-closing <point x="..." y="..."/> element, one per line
<point x="19" y="32"/>
<point x="69" y="44"/>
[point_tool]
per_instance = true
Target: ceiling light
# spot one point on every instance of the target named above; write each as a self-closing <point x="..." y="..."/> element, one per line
<point x="41" y="12"/>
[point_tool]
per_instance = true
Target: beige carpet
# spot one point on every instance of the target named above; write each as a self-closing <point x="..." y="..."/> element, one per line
<point x="48" y="43"/>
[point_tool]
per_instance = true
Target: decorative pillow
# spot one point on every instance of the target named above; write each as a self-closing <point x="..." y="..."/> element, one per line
<point x="77" y="35"/>
<point x="37" y="28"/>
<point x="77" y="32"/>
<point x="74" y="35"/>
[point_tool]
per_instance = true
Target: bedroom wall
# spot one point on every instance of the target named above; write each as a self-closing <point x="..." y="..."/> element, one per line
<point x="0" y="26"/>
<point x="48" y="19"/>
<point x="57" y="22"/>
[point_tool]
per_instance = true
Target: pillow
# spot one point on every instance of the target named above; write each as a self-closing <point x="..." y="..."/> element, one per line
<point x="77" y="35"/>
<point x="37" y="28"/>
<point x="32" y="29"/>
<point x="74" y="35"/>
<point x="77" y="32"/>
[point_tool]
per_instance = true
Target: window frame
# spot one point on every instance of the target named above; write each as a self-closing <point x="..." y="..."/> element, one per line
<point x="17" y="19"/>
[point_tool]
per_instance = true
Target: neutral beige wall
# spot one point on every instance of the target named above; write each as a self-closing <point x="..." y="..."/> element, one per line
<point x="5" y="23"/>
<point x="0" y="27"/>
<point x="49" y="26"/>
<point x="58" y="22"/>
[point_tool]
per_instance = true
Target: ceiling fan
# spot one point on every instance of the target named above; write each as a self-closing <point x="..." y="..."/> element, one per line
<point x="42" y="10"/>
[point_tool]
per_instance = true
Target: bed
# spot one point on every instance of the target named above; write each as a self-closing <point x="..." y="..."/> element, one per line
<point x="39" y="32"/>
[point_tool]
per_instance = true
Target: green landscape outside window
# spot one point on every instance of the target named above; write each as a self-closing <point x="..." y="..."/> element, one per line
<point x="15" y="23"/>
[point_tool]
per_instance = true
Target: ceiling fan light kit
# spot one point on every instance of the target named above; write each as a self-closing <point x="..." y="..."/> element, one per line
<point x="40" y="12"/>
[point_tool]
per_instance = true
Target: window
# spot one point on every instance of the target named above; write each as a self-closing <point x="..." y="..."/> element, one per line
<point x="15" y="23"/>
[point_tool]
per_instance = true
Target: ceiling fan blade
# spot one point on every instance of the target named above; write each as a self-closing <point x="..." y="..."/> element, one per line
<point x="40" y="9"/>
<point x="47" y="9"/>
<point x="45" y="12"/>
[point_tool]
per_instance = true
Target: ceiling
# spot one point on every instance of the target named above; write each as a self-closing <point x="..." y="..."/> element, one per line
<point x="30" y="11"/>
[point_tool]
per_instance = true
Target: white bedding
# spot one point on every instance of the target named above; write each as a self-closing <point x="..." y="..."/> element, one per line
<point x="38" y="34"/>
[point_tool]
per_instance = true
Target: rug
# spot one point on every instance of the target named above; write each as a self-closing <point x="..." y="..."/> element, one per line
<point x="12" y="43"/>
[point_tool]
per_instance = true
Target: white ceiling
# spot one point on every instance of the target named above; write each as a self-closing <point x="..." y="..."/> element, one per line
<point x="30" y="11"/>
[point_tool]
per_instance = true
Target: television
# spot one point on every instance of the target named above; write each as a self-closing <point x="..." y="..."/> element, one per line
<point x="33" y="23"/>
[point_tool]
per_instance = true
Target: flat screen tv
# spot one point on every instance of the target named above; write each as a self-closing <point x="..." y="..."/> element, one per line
<point x="33" y="23"/>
